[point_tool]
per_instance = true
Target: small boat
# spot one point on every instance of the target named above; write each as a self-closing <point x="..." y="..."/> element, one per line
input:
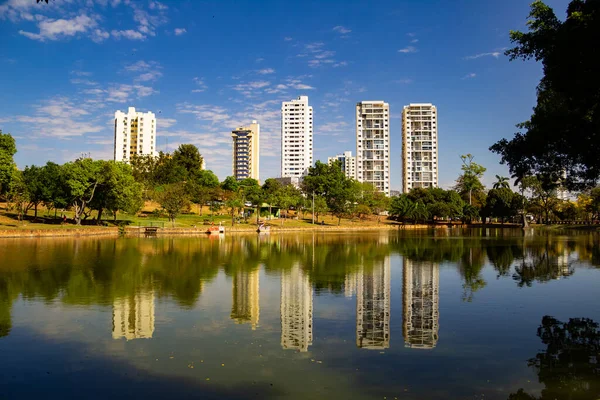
<point x="214" y="229"/>
<point x="262" y="228"/>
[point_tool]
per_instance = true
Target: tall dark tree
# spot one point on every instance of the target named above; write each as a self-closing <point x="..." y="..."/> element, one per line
<point x="563" y="134"/>
<point x="8" y="148"/>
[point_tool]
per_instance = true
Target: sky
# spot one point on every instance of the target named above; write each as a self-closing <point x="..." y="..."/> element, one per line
<point x="207" y="67"/>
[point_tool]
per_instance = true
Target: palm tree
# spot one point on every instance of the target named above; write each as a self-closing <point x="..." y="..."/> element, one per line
<point x="501" y="182"/>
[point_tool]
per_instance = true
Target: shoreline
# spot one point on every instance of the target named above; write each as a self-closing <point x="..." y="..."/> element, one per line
<point x="139" y="231"/>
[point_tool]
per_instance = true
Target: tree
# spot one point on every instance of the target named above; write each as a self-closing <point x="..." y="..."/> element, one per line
<point x="252" y="193"/>
<point x="499" y="203"/>
<point x="8" y="149"/>
<point x="402" y="208"/>
<point x="562" y="134"/>
<point x="81" y="178"/>
<point x="470" y="180"/>
<point x="18" y="194"/>
<point x="174" y="200"/>
<point x="203" y="187"/>
<point x="320" y="207"/>
<point x="188" y="158"/>
<point x="56" y="193"/>
<point x="543" y="192"/>
<point x="501" y="182"/>
<point x="230" y="184"/>
<point x="270" y="189"/>
<point x="118" y="190"/>
<point x="36" y="186"/>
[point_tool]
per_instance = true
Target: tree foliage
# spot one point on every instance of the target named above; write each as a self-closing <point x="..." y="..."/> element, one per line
<point x="8" y="149"/>
<point x="562" y="135"/>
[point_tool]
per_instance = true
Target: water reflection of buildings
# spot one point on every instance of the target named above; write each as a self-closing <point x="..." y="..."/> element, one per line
<point x="245" y="306"/>
<point x="133" y="317"/>
<point x="296" y="310"/>
<point x="373" y="307"/>
<point x="420" y="304"/>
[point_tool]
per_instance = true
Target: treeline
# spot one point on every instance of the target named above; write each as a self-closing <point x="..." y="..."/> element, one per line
<point x="537" y="196"/>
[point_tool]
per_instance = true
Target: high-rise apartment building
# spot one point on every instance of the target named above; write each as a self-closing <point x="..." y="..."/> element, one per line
<point x="373" y="306"/>
<point x="419" y="146"/>
<point x="420" y="303"/>
<point x="246" y="151"/>
<point x="296" y="137"/>
<point x="135" y="133"/>
<point x="373" y="144"/>
<point x="348" y="163"/>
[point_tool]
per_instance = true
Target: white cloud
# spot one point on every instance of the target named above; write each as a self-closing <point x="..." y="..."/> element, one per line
<point x="165" y="123"/>
<point x="201" y="85"/>
<point x="259" y="59"/>
<point x="56" y="29"/>
<point x="469" y="76"/>
<point x="415" y="41"/>
<point x="341" y="29"/>
<point x="157" y="5"/>
<point x="287" y="39"/>
<point x="404" y="81"/>
<point x="80" y="81"/>
<point x="16" y="10"/>
<point x="122" y="93"/>
<point x="127" y="34"/>
<point x="98" y="35"/>
<point x="81" y="73"/>
<point x="149" y="76"/>
<point x="60" y="117"/>
<point x="265" y="71"/>
<point x="340" y="64"/>
<point x="180" y="31"/>
<point x="319" y="56"/>
<point x="140" y="66"/>
<point x="494" y="54"/>
<point x="408" y="49"/>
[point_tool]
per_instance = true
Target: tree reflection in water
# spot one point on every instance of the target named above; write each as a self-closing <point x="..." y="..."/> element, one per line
<point x="569" y="368"/>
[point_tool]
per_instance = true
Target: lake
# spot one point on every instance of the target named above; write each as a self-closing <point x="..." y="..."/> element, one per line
<point x="439" y="314"/>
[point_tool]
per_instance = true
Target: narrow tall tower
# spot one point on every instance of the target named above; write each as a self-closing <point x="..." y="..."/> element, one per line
<point x="246" y="151"/>
<point x="419" y="147"/>
<point x="135" y="133"/>
<point x="373" y="144"/>
<point x="373" y="306"/>
<point x="296" y="137"/>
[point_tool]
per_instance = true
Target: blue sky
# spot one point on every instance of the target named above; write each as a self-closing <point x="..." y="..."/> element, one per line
<point x="206" y="67"/>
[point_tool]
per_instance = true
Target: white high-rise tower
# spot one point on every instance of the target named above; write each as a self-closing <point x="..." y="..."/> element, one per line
<point x="419" y="147"/>
<point x="296" y="137"/>
<point x="373" y="144"/>
<point x="135" y="133"/>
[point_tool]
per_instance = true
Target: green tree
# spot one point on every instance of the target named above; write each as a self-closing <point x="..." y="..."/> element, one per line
<point x="36" y="185"/>
<point x="500" y="203"/>
<point x="320" y="207"/>
<point x="18" y="194"/>
<point x="188" y="158"/>
<point x="81" y="178"/>
<point x="202" y="187"/>
<point x="501" y="182"/>
<point x="118" y="190"/>
<point x="174" y="200"/>
<point x="567" y="97"/>
<point x="402" y="208"/>
<point x="543" y="193"/>
<point x="230" y="184"/>
<point x="8" y="149"/>
<point x="270" y="189"/>
<point x="56" y="192"/>
<point x="469" y="182"/>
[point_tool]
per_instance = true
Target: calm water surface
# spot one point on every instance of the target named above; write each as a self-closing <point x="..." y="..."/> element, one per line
<point x="426" y="315"/>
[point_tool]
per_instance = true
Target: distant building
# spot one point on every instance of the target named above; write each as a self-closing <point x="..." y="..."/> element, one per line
<point x="348" y="163"/>
<point x="419" y="146"/>
<point x="135" y="133"/>
<point x="373" y="144"/>
<point x="133" y="317"/>
<point x="290" y="181"/>
<point x="373" y="307"/>
<point x="245" y="306"/>
<point x="296" y="310"/>
<point x="394" y="193"/>
<point x="246" y="152"/>
<point x="296" y="137"/>
<point x="420" y="304"/>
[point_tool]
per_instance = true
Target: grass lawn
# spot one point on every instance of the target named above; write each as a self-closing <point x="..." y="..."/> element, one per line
<point x="46" y="220"/>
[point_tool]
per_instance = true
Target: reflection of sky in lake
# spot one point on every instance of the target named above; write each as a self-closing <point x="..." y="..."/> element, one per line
<point x="340" y="316"/>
